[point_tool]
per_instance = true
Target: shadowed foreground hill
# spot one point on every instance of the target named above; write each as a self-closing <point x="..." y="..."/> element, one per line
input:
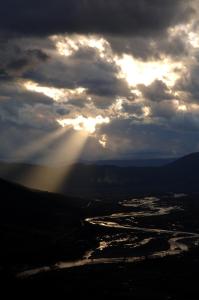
<point x="37" y="225"/>
<point x="188" y="163"/>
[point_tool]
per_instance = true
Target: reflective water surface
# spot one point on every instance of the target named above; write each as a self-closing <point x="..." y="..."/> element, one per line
<point x="143" y="228"/>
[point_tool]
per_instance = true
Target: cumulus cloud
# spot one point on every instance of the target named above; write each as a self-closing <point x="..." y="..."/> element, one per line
<point x="187" y="85"/>
<point x="156" y="91"/>
<point x="149" y="47"/>
<point x="87" y="70"/>
<point x="135" y="62"/>
<point x="15" y="59"/>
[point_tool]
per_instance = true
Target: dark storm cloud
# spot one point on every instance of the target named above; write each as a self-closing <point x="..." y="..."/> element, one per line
<point x="11" y="91"/>
<point x="133" y="108"/>
<point x="15" y="60"/>
<point x="163" y="110"/>
<point x="146" y="136"/>
<point x="135" y="27"/>
<point x="25" y="115"/>
<point x="107" y="87"/>
<point x="77" y="102"/>
<point x="156" y="91"/>
<point x="27" y="60"/>
<point x="138" y="17"/>
<point x="85" y="68"/>
<point x="24" y="108"/>
<point x="16" y="136"/>
<point x="62" y="111"/>
<point x="27" y="109"/>
<point x="188" y="83"/>
<point x="146" y="48"/>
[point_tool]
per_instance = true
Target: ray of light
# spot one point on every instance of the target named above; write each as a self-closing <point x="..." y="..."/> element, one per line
<point x="31" y="150"/>
<point x="66" y="153"/>
<point x="75" y="146"/>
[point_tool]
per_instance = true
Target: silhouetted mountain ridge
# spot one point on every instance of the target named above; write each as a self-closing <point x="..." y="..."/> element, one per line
<point x="158" y="162"/>
<point x="87" y="179"/>
<point x="187" y="162"/>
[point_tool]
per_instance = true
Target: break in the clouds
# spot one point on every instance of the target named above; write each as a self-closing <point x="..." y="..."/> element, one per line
<point x="124" y="71"/>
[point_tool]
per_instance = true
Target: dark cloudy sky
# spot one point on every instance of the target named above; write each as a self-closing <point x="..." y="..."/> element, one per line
<point x="126" y="71"/>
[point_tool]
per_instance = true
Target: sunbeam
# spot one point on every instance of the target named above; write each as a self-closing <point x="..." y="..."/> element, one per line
<point x="70" y="153"/>
<point x="65" y="154"/>
<point x="31" y="150"/>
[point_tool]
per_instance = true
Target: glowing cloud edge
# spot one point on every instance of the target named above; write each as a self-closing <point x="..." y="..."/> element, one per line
<point x="82" y="123"/>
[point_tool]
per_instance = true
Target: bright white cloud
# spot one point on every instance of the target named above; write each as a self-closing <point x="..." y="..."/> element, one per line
<point x="54" y="93"/>
<point x="139" y="72"/>
<point x="103" y="140"/>
<point x="68" y="44"/>
<point x="86" y="124"/>
<point x="182" y="107"/>
<point x="146" y="111"/>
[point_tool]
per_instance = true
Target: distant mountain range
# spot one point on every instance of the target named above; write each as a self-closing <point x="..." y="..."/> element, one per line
<point x="132" y="163"/>
<point x="181" y="175"/>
